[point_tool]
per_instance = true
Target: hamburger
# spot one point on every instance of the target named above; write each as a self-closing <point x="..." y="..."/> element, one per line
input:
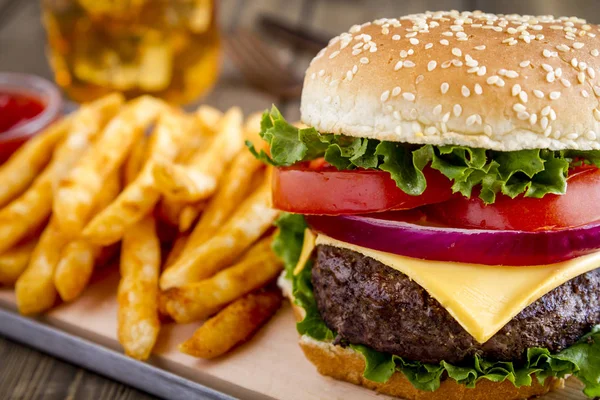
<point x="441" y="225"/>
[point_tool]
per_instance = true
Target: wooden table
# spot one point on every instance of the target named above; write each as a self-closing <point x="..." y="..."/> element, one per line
<point x="26" y="373"/>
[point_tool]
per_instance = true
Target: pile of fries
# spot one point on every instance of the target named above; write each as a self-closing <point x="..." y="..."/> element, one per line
<point x="173" y="198"/>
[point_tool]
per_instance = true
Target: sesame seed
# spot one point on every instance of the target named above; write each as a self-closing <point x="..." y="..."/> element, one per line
<point x="597" y="90"/>
<point x="396" y="37"/>
<point x="547" y="67"/>
<point x="321" y="72"/>
<point x="518" y="107"/>
<point x="446" y="64"/>
<point x="396" y="91"/>
<point x="585" y="93"/>
<point x="525" y="64"/>
<point x="385" y="95"/>
<point x="538" y="93"/>
<point x="349" y="76"/>
<point x="471" y="120"/>
<point x="523" y="115"/>
<point x="334" y="54"/>
<point x="563" y="47"/>
<point x="465" y="91"/>
<point x="457" y="110"/>
<point x="591" y="72"/>
<point x="480" y="47"/>
<point x="356" y="52"/>
<point x="572" y="136"/>
<point x="550" y="77"/>
<point x="313" y="76"/>
<point x="578" y="45"/>
<point x="595" y="52"/>
<point x="532" y="118"/>
<point x="364" y="60"/>
<point x="409" y="64"/>
<point x="408" y="96"/>
<point x="444" y="42"/>
<point x="437" y="110"/>
<point x="431" y="130"/>
<point x="446" y="117"/>
<point x="597" y="114"/>
<point x="565" y="82"/>
<point x="544" y="122"/>
<point x="431" y="65"/>
<point x="456" y="51"/>
<point x="447" y="33"/>
<point x="500" y="82"/>
<point x="547" y="53"/>
<point x="419" y="79"/>
<point x="558" y="72"/>
<point x="414" y="41"/>
<point x="355" y="69"/>
<point x="478" y="89"/>
<point x="396" y="115"/>
<point x="482" y="71"/>
<point x="512" y="74"/>
<point x="398" y="65"/>
<point x="444" y="87"/>
<point x="590" y="135"/>
<point x="523" y="96"/>
<point x="457" y="63"/>
<point x="492" y="79"/>
<point x="581" y="77"/>
<point x="403" y="53"/>
<point x="472" y="70"/>
<point x="546" y="110"/>
<point x="548" y="131"/>
<point x="552" y="115"/>
<point x="487" y="129"/>
<point x="428" y="46"/>
<point x="516" y="89"/>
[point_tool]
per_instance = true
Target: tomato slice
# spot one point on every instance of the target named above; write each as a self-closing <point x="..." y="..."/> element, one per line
<point x="579" y="206"/>
<point x="317" y="188"/>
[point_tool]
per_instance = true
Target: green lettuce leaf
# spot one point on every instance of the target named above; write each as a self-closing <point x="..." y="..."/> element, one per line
<point x="532" y="173"/>
<point x="581" y="360"/>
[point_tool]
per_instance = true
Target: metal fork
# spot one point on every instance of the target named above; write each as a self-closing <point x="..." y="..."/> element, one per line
<point x="261" y="66"/>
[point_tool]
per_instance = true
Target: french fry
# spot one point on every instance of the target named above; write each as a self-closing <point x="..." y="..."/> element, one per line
<point x="246" y="225"/>
<point x="200" y="300"/>
<point x="21" y="169"/>
<point x="141" y="195"/>
<point x="198" y="180"/>
<point x="14" y="262"/>
<point x="209" y="117"/>
<point x="232" y="326"/>
<point x="77" y="192"/>
<point x="35" y="291"/>
<point x="135" y="161"/>
<point x="232" y="192"/>
<point x="138" y="323"/>
<point x="77" y="260"/>
<point x="176" y="249"/>
<point x="30" y="210"/>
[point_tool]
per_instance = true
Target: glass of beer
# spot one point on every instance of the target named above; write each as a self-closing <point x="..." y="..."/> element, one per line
<point x="166" y="48"/>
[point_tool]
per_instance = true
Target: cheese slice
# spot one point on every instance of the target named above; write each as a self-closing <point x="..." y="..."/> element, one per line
<point x="307" y="249"/>
<point x="482" y="298"/>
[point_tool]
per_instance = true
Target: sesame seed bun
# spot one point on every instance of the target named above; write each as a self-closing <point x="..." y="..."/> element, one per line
<point x="502" y="82"/>
<point x="347" y="365"/>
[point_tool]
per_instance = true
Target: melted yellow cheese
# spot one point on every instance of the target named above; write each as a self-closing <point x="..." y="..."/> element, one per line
<point x="482" y="298"/>
<point x="307" y="249"/>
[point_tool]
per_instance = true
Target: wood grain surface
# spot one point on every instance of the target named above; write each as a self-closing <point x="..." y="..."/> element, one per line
<point x="28" y="374"/>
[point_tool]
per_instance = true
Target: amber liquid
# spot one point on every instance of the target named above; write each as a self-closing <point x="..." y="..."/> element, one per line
<point x="166" y="48"/>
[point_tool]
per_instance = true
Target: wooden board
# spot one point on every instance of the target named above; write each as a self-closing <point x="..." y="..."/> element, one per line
<point x="271" y="365"/>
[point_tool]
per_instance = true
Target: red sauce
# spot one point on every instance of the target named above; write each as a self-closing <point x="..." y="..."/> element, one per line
<point x="16" y="109"/>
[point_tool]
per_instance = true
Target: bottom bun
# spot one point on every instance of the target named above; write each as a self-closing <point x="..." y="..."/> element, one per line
<point x="345" y="364"/>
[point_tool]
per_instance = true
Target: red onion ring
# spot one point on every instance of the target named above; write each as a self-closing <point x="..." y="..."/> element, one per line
<point x="473" y="246"/>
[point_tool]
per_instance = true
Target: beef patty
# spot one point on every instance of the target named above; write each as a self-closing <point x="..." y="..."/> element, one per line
<point x="368" y="303"/>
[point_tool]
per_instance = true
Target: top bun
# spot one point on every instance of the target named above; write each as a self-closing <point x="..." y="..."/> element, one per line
<point x="502" y="82"/>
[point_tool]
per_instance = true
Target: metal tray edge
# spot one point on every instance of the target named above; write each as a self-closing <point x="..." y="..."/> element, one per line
<point x="102" y="360"/>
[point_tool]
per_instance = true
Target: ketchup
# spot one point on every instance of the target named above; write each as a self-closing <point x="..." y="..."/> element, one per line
<point x="17" y="108"/>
